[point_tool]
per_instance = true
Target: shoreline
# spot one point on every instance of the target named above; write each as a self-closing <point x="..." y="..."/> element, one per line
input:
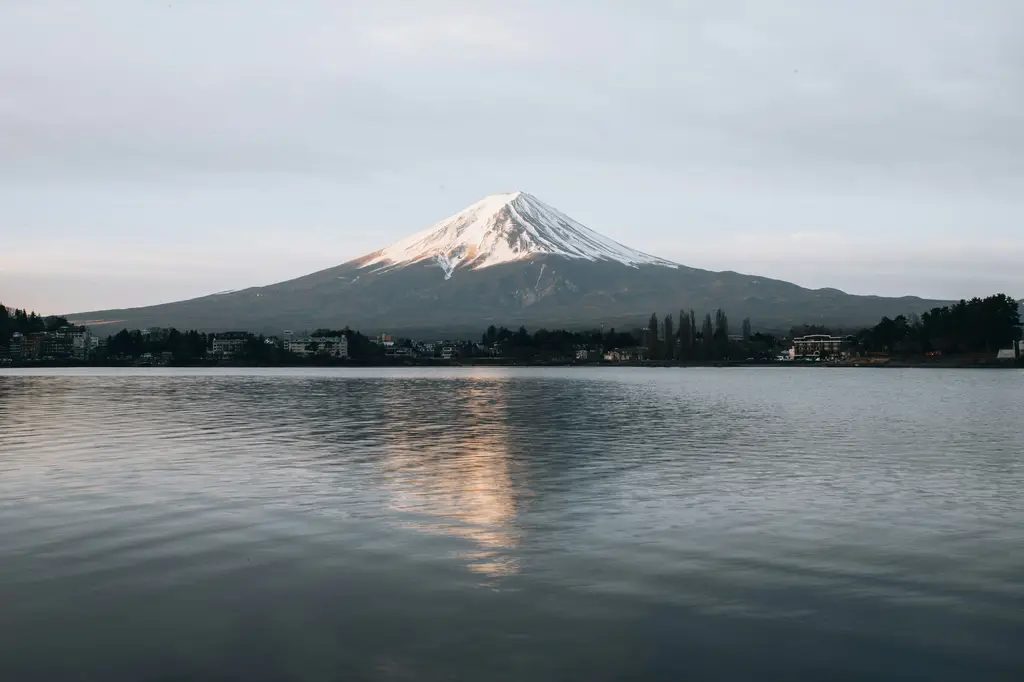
<point x="899" y="363"/>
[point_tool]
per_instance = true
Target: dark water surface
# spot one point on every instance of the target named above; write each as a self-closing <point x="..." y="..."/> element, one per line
<point x="512" y="525"/>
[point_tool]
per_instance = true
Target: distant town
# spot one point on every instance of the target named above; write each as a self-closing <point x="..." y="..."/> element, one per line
<point x="969" y="333"/>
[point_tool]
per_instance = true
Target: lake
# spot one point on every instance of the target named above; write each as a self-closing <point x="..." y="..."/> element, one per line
<point x="518" y="524"/>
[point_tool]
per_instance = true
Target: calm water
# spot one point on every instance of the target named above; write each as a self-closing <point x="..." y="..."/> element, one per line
<point x="512" y="525"/>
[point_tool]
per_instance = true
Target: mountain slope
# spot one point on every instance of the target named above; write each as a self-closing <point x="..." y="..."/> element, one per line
<point x="505" y="228"/>
<point x="508" y="259"/>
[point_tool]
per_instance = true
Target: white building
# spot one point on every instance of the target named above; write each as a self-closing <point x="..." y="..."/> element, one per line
<point x="229" y="344"/>
<point x="817" y="345"/>
<point x="335" y="346"/>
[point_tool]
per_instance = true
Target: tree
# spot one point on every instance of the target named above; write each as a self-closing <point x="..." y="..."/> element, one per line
<point x="652" y="337"/>
<point x="685" y="336"/>
<point x="707" y="336"/>
<point x="721" y="334"/>
<point x="490" y="336"/>
<point x="693" y="331"/>
<point x="670" y="339"/>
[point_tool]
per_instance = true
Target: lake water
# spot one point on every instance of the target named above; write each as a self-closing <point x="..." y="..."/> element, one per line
<point x="577" y="524"/>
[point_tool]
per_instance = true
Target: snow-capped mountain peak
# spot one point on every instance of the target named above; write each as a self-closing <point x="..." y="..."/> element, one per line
<point x="503" y="228"/>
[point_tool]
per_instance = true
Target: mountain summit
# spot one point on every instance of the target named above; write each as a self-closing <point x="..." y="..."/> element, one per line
<point x="504" y="228"/>
<point x="509" y="259"/>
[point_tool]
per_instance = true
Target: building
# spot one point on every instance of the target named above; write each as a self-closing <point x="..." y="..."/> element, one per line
<point x="333" y="346"/>
<point x="818" y="346"/>
<point x="32" y="346"/>
<point x="80" y="340"/>
<point x="300" y="347"/>
<point x="54" y="346"/>
<point x="229" y="344"/>
<point x="1015" y="351"/>
<point x="447" y="353"/>
<point x="16" y="346"/>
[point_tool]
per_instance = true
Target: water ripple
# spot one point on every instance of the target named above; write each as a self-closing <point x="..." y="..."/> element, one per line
<point x="596" y="524"/>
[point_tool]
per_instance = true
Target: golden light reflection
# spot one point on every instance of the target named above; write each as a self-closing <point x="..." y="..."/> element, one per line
<point x="458" y="480"/>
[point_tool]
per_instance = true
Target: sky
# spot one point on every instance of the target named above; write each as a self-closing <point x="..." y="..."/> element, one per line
<point x="154" y="151"/>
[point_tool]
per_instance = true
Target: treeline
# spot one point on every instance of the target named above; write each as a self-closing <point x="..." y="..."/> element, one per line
<point x="694" y="339"/>
<point x="559" y="342"/>
<point x="184" y="346"/>
<point x="974" y="326"/>
<point x="17" y="321"/>
<point x="192" y="346"/>
<point x="709" y="338"/>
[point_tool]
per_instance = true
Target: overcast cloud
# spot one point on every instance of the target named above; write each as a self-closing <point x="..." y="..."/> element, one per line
<point x="151" y="151"/>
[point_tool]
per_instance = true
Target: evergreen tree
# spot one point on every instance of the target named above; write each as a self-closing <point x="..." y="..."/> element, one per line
<point x="670" y="339"/>
<point x="685" y="340"/>
<point x="490" y="336"/>
<point x="693" y="331"/>
<point x="707" y="336"/>
<point x="721" y="334"/>
<point x="652" y="337"/>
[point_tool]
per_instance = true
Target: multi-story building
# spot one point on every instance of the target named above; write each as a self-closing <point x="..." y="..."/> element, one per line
<point x="335" y="346"/>
<point x="16" y="346"/>
<point x="32" y="346"/>
<point x="55" y="345"/>
<point x="229" y="344"/>
<point x="300" y="347"/>
<point x="818" y="345"/>
<point x="80" y="341"/>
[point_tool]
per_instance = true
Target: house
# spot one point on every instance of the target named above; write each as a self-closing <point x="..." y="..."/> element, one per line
<point x="582" y="354"/>
<point x="1016" y="350"/>
<point x="447" y="353"/>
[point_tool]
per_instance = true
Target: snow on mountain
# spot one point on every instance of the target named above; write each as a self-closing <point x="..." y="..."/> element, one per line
<point x="503" y="228"/>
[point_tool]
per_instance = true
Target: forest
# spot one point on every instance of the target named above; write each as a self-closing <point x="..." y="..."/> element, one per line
<point x="980" y="325"/>
<point x="18" y="321"/>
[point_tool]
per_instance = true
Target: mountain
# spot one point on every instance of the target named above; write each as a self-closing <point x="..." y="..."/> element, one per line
<point x="509" y="259"/>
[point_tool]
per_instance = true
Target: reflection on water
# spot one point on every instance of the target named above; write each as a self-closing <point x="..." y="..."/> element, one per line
<point x="509" y="525"/>
<point x="454" y="475"/>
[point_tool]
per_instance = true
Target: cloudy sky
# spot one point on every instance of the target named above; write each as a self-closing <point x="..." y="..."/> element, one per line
<point x="152" y="151"/>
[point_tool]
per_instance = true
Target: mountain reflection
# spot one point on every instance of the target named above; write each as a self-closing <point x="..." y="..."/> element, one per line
<point x="458" y="479"/>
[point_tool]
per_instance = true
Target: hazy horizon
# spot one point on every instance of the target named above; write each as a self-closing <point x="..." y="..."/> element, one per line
<point x="156" y="152"/>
